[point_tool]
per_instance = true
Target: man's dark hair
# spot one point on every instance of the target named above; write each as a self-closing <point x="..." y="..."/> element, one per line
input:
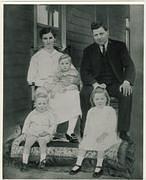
<point x="96" y="25"/>
<point x="46" y="31"/>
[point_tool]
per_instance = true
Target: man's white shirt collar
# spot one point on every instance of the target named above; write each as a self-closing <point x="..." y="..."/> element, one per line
<point x="105" y="45"/>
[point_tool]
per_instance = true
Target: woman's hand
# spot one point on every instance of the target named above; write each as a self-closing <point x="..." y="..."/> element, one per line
<point x="59" y="88"/>
<point x="65" y="82"/>
<point x="46" y="85"/>
<point x="45" y="133"/>
<point x="23" y="136"/>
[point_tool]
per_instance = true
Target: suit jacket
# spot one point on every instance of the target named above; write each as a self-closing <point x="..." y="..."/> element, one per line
<point x="118" y="57"/>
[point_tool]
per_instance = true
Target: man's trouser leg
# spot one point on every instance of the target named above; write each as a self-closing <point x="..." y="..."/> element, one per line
<point x="125" y="105"/>
<point x="85" y="104"/>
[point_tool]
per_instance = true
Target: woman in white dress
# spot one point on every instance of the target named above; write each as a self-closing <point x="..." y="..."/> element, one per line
<point x="44" y="62"/>
<point x="100" y="130"/>
<point x="43" y="66"/>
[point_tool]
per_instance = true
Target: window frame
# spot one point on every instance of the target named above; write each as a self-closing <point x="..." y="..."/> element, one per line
<point x="61" y="30"/>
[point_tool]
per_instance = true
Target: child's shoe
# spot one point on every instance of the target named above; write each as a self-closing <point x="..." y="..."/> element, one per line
<point x="68" y="137"/>
<point x="75" y="170"/>
<point x="98" y="172"/>
<point x="42" y="165"/>
<point x="24" y="167"/>
<point x="72" y="138"/>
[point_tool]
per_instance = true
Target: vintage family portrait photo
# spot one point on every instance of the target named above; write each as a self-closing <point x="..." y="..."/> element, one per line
<point x="73" y="91"/>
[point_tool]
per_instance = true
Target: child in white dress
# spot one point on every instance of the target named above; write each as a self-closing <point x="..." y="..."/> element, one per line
<point x="100" y="130"/>
<point x="39" y="126"/>
<point x="65" y="94"/>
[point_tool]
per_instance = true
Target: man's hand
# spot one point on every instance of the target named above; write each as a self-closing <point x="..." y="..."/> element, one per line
<point x="126" y="88"/>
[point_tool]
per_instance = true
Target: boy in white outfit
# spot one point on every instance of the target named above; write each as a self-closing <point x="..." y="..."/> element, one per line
<point x="39" y="126"/>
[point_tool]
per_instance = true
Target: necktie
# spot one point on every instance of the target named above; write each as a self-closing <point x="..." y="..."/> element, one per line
<point x="103" y="50"/>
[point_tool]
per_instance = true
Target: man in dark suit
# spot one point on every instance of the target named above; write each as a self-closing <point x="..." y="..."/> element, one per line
<point x="107" y="63"/>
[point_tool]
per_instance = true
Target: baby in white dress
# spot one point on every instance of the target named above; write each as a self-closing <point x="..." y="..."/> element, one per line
<point x="65" y="99"/>
<point x="65" y="78"/>
<point x="100" y="130"/>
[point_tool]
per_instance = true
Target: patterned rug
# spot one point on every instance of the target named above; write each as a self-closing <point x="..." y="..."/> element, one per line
<point x="118" y="160"/>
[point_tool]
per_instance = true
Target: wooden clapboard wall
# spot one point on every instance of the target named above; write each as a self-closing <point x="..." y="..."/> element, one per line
<point x="18" y="39"/>
<point x="117" y="15"/>
<point x="115" y="18"/>
<point x="79" y="18"/>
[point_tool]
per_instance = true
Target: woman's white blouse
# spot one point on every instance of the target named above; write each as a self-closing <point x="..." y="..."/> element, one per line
<point x="42" y="65"/>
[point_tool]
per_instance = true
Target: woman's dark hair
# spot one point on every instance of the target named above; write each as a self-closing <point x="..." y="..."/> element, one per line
<point x="46" y="31"/>
<point x="96" y="25"/>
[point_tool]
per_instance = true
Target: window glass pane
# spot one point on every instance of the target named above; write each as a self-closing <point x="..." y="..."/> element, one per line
<point x="49" y="16"/>
<point x="127" y="33"/>
<point x="56" y="19"/>
<point x="42" y="14"/>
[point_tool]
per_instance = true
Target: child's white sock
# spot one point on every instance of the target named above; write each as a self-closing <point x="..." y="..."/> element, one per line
<point x="100" y="158"/>
<point x="25" y="158"/>
<point x="99" y="162"/>
<point x="79" y="160"/>
<point x="43" y="156"/>
<point x="71" y="125"/>
<point x="81" y="155"/>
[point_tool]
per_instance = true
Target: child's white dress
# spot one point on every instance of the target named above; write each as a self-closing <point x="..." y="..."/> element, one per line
<point x="100" y="130"/>
<point x="67" y="104"/>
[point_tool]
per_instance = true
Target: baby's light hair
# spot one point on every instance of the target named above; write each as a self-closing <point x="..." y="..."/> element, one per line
<point x="64" y="56"/>
<point x="99" y="90"/>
